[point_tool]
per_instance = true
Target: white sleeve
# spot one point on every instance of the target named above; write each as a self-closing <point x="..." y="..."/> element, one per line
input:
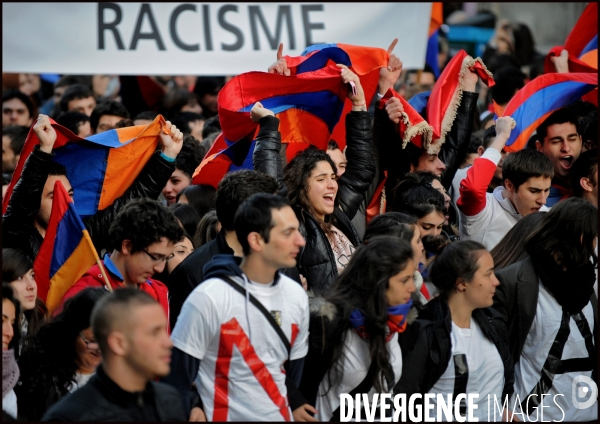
<point x="300" y="347"/>
<point x="197" y="325"/>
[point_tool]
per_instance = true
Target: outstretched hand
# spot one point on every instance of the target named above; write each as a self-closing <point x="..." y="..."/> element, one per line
<point x="45" y="132"/>
<point x="279" y="67"/>
<point x="561" y="63"/>
<point x="171" y="140"/>
<point x="390" y="74"/>
<point x="358" y="99"/>
<point x="258" y="111"/>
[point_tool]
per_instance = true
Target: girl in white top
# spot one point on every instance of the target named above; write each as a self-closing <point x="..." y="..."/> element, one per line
<point x="461" y="345"/>
<point x="354" y="330"/>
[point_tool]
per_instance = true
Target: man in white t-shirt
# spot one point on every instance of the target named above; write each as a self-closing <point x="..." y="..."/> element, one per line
<point x="241" y="362"/>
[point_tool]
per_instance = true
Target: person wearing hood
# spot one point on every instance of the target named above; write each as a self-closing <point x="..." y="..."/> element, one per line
<point x="246" y="304"/>
<point x="527" y="175"/>
<point x="354" y="329"/>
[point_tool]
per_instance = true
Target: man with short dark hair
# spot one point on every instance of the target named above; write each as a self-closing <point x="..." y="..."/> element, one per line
<point x="190" y="123"/>
<point x="233" y="189"/>
<point x="246" y="305"/>
<point x="584" y="176"/>
<point x="106" y="115"/>
<point x="487" y="217"/>
<point x="130" y="328"/>
<point x="78" y="98"/>
<point x="78" y="123"/>
<point x="17" y="108"/>
<point x="13" y="139"/>
<point x="560" y="141"/>
<point x="337" y="156"/>
<point x="141" y="248"/>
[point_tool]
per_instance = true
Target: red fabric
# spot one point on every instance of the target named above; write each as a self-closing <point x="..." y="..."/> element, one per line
<point x="473" y="187"/>
<point x="375" y="207"/>
<point x="425" y="292"/>
<point x="93" y="278"/>
<point x="411" y="122"/>
<point x="444" y="99"/>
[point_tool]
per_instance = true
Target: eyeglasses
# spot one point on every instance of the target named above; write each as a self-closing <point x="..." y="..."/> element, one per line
<point x="158" y="260"/>
<point x="90" y="345"/>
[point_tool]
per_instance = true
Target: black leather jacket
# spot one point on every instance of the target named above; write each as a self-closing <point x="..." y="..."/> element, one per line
<point x="428" y="359"/>
<point x="101" y="399"/>
<point x="316" y="262"/>
<point x="18" y="230"/>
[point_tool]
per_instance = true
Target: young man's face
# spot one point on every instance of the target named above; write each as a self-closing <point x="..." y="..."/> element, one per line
<point x="43" y="215"/>
<point x="339" y="158"/>
<point x="562" y="145"/>
<point x="531" y="195"/>
<point x="285" y="241"/>
<point x="9" y="158"/>
<point x="15" y="112"/>
<point x="149" y="345"/>
<point x="85" y="106"/>
<point x="429" y="163"/>
<point x="141" y="266"/>
<point x="107" y="122"/>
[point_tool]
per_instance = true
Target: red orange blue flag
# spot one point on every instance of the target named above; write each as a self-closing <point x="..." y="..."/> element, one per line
<point x="66" y="253"/>
<point x="539" y="98"/>
<point x="101" y="167"/>
<point x="437" y="19"/>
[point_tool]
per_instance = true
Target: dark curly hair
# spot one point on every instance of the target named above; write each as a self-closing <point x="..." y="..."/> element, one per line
<point x="456" y="261"/>
<point x="296" y="177"/>
<point x="190" y="156"/>
<point x="144" y="222"/>
<point x="48" y="363"/>
<point x="199" y="196"/>
<point x="417" y="198"/>
<point x="107" y="107"/>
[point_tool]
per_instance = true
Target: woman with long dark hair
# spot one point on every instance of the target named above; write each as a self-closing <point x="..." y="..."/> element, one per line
<point x="323" y="203"/>
<point x="17" y="270"/>
<point x="354" y="329"/>
<point x="10" y="343"/>
<point x="461" y="344"/>
<point x="511" y="248"/>
<point x="62" y="356"/>
<point x="549" y="304"/>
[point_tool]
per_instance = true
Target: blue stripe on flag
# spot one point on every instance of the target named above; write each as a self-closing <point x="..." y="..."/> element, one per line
<point x="68" y="236"/>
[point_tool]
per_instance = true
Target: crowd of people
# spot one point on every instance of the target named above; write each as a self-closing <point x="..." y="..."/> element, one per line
<point x="376" y="268"/>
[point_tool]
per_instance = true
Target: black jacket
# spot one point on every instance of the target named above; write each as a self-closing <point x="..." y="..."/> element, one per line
<point x="427" y="361"/>
<point x="18" y="230"/>
<point x="516" y="300"/>
<point x="316" y="261"/>
<point x="101" y="399"/>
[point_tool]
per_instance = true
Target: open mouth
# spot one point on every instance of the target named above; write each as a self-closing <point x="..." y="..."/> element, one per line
<point x="329" y="199"/>
<point x="566" y="161"/>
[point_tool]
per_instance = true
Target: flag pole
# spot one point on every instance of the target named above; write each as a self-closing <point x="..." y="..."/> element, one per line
<point x="98" y="261"/>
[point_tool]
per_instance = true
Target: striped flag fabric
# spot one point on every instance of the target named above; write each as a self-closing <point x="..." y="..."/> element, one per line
<point x="437" y="19"/>
<point x="66" y="253"/>
<point x="539" y="98"/>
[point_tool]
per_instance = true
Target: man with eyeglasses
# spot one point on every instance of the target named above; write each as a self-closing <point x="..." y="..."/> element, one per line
<point x="143" y="236"/>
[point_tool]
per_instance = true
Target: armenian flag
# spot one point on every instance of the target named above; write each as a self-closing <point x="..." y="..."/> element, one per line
<point x="66" y="253"/>
<point x="437" y="19"/>
<point x="539" y="98"/>
<point x="101" y="167"/>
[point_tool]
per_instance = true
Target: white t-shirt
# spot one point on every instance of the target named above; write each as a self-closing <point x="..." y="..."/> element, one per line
<point x="484" y="367"/>
<point x="538" y="343"/>
<point x="355" y="367"/>
<point x="241" y="355"/>
<point x="9" y="404"/>
<point x="80" y="380"/>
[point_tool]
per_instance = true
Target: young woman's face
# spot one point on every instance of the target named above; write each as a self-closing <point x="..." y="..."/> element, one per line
<point x="417" y="246"/>
<point x="25" y="290"/>
<point x="401" y="285"/>
<point x="322" y="189"/>
<point x="431" y="224"/>
<point x="178" y="181"/>
<point x="181" y="251"/>
<point x="87" y="352"/>
<point x="481" y="289"/>
<point x="8" y="320"/>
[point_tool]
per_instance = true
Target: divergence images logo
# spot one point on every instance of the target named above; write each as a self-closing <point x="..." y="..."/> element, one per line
<point x="583" y="388"/>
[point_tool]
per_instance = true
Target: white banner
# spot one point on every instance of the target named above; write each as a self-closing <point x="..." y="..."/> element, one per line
<point x="197" y="38"/>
